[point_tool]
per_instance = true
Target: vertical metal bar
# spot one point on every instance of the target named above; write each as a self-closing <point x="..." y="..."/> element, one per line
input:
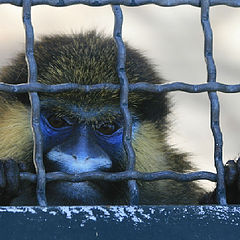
<point x="215" y="108"/>
<point x="127" y="135"/>
<point x="35" y="104"/>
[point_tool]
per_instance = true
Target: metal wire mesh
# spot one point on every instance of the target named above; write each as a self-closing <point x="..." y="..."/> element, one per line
<point x="33" y="87"/>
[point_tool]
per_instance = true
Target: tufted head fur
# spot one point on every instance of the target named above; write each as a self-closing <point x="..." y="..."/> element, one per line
<point x="89" y="58"/>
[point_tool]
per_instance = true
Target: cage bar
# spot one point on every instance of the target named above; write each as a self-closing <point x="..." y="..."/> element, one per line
<point x="141" y="86"/>
<point x="124" y="88"/>
<point x="131" y="3"/>
<point x="121" y="176"/>
<point x="35" y="105"/>
<point x="215" y="108"/>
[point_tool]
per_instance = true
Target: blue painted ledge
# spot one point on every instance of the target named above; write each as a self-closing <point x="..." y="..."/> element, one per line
<point x="120" y="222"/>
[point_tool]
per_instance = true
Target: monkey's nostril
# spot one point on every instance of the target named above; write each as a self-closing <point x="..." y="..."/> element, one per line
<point x="74" y="156"/>
<point x="87" y="158"/>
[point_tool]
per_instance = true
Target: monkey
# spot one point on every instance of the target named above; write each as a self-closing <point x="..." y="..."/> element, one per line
<point x="82" y="131"/>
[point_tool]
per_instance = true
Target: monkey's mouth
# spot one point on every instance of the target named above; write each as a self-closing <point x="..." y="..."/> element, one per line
<point x="67" y="192"/>
<point x="78" y="193"/>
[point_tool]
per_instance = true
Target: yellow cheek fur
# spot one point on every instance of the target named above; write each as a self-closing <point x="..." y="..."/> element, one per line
<point x="16" y="140"/>
<point x="148" y="148"/>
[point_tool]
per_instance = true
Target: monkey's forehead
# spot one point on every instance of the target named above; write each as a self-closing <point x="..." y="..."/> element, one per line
<point x="100" y="103"/>
<point x="81" y="112"/>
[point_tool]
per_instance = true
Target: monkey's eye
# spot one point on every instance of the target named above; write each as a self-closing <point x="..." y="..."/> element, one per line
<point x="57" y="122"/>
<point x="107" y="128"/>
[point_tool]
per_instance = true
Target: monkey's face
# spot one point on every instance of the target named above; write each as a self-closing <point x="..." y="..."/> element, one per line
<point x="82" y="131"/>
<point x="81" y="140"/>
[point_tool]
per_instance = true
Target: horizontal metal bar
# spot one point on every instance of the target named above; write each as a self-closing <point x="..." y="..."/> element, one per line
<point x="132" y="3"/>
<point x="141" y="86"/>
<point x="122" y="176"/>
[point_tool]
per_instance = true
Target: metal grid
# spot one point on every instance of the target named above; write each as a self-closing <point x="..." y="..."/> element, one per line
<point x="33" y="87"/>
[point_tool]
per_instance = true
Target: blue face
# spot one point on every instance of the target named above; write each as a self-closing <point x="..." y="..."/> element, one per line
<point x="76" y="147"/>
<point x="53" y="134"/>
<point x="57" y="130"/>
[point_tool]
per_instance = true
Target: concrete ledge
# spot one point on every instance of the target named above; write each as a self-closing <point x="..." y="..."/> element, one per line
<point x="121" y="222"/>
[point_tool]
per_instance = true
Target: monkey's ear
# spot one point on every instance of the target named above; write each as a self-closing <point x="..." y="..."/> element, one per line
<point x="16" y="133"/>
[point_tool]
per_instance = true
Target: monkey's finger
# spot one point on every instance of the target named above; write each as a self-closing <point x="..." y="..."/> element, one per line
<point x="238" y="164"/>
<point x="231" y="172"/>
<point x="12" y="177"/>
<point x="238" y="168"/>
<point x="2" y="178"/>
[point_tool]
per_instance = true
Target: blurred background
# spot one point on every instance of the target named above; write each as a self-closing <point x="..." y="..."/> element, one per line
<point x="172" y="39"/>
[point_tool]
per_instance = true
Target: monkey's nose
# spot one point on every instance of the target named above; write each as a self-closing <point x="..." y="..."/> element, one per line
<point x="86" y="163"/>
<point x="76" y="158"/>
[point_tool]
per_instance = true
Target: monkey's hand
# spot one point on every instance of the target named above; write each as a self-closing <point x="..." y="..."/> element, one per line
<point x="232" y="181"/>
<point x="232" y="184"/>
<point x="9" y="181"/>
